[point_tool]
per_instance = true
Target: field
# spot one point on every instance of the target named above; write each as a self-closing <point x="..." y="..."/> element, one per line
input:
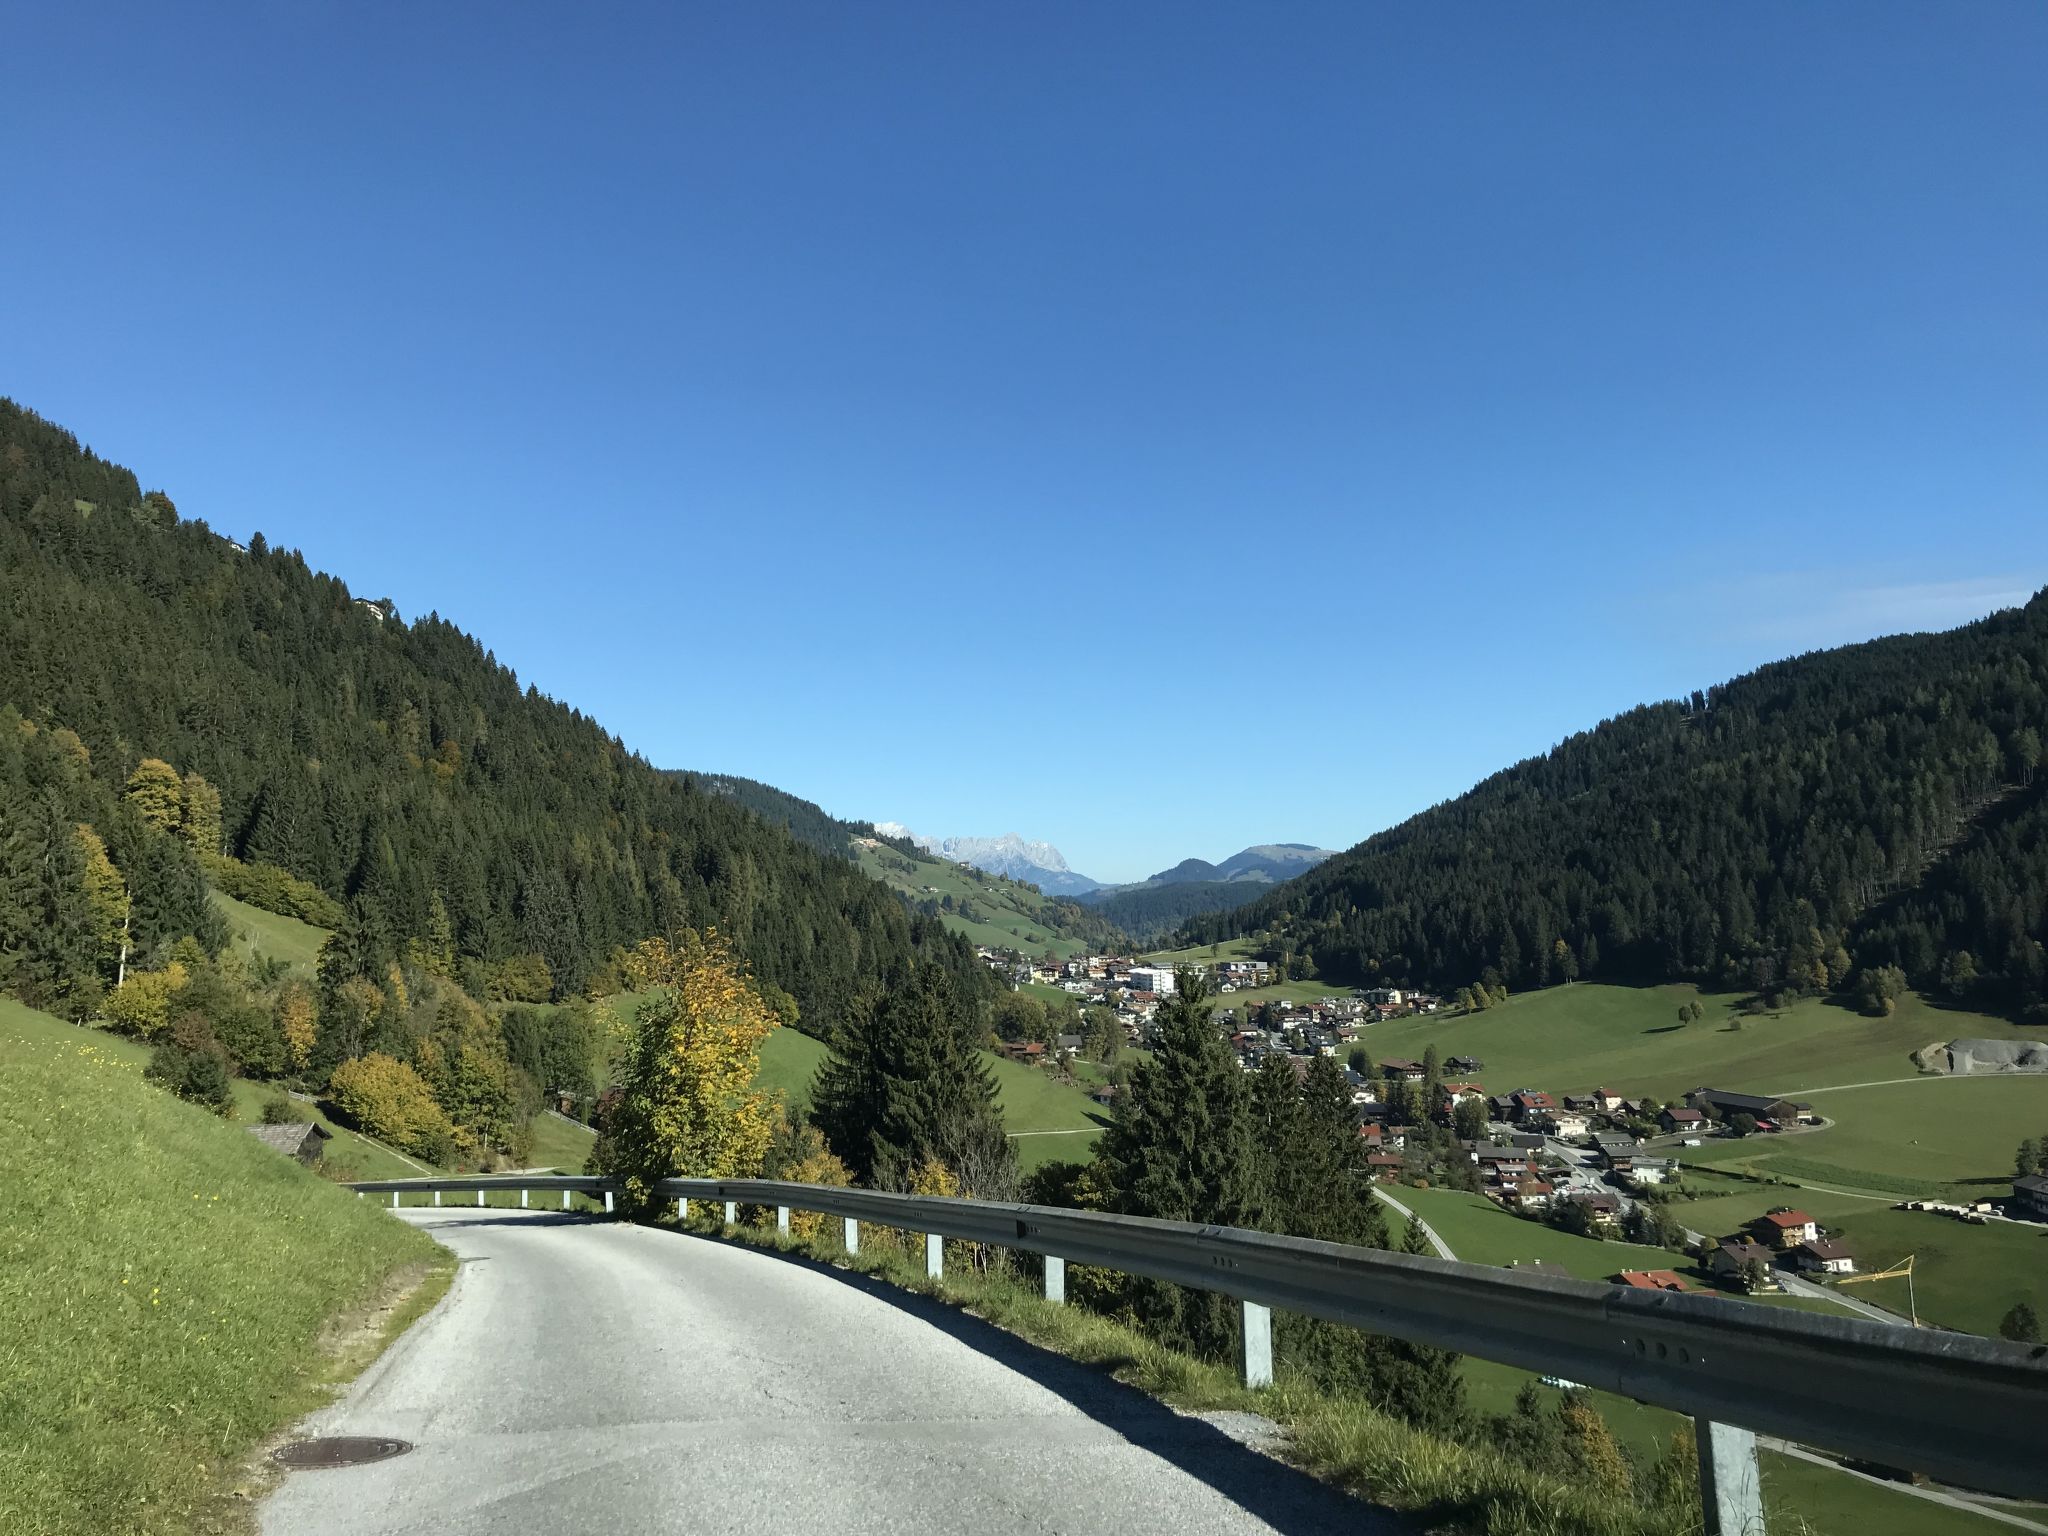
<point x="1951" y="1137"/>
<point x="256" y="931"/>
<point x="1576" y="1038"/>
<point x="1009" y="914"/>
<point x="369" y="1159"/>
<point x="1963" y="1276"/>
<point x="1480" y="1232"/>
<point x="164" y="1279"/>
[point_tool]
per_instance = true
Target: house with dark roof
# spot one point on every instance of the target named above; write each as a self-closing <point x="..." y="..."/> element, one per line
<point x="1824" y="1255"/>
<point x="1758" y="1106"/>
<point x="1746" y="1266"/>
<point x="2030" y="1196"/>
<point x="303" y="1141"/>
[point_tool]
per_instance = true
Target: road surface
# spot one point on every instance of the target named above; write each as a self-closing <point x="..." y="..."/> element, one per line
<point x="592" y="1376"/>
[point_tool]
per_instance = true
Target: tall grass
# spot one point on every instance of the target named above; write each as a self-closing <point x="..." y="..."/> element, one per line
<point x="164" y="1281"/>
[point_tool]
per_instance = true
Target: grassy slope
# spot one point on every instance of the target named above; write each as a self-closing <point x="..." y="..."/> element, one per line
<point x="1480" y="1232"/>
<point x="347" y="1150"/>
<point x="256" y="931"/>
<point x="1571" y="1039"/>
<point x="163" y="1277"/>
<point x="1009" y="914"/>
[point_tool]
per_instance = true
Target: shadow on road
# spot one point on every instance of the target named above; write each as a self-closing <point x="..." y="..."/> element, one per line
<point x="1290" y="1501"/>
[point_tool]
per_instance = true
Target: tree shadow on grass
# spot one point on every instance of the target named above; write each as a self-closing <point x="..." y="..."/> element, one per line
<point x="1288" y="1500"/>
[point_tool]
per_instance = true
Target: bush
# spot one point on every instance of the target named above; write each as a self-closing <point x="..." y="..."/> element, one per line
<point x="198" y="1077"/>
<point x="390" y="1101"/>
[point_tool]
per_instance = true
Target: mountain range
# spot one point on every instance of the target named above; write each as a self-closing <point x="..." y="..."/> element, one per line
<point x="1047" y="868"/>
<point x="1040" y="863"/>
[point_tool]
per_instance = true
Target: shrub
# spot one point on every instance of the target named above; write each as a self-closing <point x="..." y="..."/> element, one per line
<point x="390" y="1101"/>
<point x="198" y="1077"/>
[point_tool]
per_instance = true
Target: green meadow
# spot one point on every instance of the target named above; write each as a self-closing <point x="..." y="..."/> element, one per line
<point x="164" y="1278"/>
<point x="1007" y="915"/>
<point x="1571" y="1039"/>
<point x="254" y="931"/>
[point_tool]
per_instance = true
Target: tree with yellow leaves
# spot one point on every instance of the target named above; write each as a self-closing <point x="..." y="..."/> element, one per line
<point x="106" y="897"/>
<point x="141" y="1005"/>
<point x="687" y="1105"/>
<point x="157" y="793"/>
<point x="386" y="1098"/>
<point x="297" y="1023"/>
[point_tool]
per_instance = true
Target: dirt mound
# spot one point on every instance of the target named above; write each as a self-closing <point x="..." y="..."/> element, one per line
<point x="1980" y="1057"/>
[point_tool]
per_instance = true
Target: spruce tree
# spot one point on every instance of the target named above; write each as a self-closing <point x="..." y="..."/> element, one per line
<point x="904" y="1086"/>
<point x="1181" y="1149"/>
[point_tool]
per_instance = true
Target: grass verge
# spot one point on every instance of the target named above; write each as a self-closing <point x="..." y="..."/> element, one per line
<point x="167" y="1289"/>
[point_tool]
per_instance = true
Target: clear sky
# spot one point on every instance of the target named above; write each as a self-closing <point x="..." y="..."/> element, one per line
<point x="1154" y="429"/>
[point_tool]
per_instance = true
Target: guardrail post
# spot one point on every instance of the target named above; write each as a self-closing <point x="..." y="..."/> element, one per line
<point x="522" y="1199"/>
<point x="394" y="1199"/>
<point x="852" y="1235"/>
<point x="782" y="1219"/>
<point x="479" y="1197"/>
<point x="1055" y="1279"/>
<point x="1731" y="1495"/>
<point x="1258" y="1345"/>
<point x="607" y="1202"/>
<point x="437" y="1197"/>
<point x="565" y="1199"/>
<point x="732" y="1213"/>
<point x="934" y="1255"/>
<point x="682" y="1208"/>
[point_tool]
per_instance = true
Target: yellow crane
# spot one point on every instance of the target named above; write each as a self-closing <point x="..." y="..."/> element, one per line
<point x="1903" y="1267"/>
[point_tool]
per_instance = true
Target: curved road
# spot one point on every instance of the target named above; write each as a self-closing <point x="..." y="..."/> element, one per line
<point x="593" y="1376"/>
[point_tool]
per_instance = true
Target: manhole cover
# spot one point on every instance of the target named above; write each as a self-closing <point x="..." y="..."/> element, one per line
<point x="338" y="1451"/>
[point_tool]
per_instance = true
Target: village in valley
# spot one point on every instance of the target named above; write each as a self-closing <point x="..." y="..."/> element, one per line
<point x="1598" y="1165"/>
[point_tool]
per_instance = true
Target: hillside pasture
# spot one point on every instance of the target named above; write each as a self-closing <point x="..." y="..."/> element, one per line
<point x="369" y="1159"/>
<point x="1571" y="1039"/>
<point x="1007" y="914"/>
<point x="167" y="1280"/>
<point x="254" y="931"/>
<point x="1963" y="1276"/>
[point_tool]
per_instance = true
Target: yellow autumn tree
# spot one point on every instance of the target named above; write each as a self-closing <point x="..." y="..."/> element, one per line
<point x="687" y="1104"/>
<point x="157" y="793"/>
<point x="297" y="1023"/>
<point x="141" y="1005"/>
<point x="389" y="1100"/>
<point x="200" y="822"/>
<point x="106" y="898"/>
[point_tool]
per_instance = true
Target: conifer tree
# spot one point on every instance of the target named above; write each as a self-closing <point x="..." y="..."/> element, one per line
<point x="904" y="1086"/>
<point x="1181" y="1148"/>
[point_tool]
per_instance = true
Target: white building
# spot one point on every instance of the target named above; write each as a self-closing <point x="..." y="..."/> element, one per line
<point x="1157" y="979"/>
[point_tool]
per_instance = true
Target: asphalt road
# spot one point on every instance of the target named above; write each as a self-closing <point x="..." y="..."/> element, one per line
<point x="593" y="1376"/>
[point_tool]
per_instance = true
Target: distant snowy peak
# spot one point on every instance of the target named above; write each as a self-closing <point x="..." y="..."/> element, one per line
<point x="1040" y="863"/>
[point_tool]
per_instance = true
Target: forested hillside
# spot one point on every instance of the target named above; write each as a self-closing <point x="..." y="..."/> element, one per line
<point x="1811" y="825"/>
<point x="1149" y="912"/>
<point x="389" y="775"/>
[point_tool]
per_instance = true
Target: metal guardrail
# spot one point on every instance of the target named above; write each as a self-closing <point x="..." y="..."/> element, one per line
<point x="482" y="1185"/>
<point x="1969" y="1410"/>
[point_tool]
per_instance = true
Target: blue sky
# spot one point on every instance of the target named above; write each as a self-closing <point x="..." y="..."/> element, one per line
<point x="1154" y="429"/>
